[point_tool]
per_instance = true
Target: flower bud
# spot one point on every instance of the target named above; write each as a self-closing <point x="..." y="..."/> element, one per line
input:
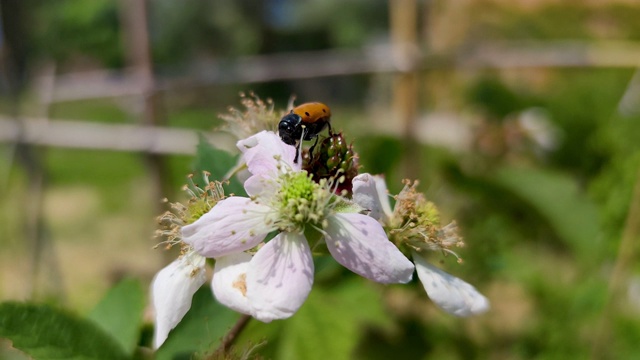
<point x="331" y="159"/>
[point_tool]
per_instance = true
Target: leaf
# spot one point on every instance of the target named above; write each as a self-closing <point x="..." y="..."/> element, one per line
<point x="47" y="333"/>
<point x="218" y="163"/>
<point x="200" y="330"/>
<point x="558" y="200"/>
<point x="330" y="323"/>
<point x="119" y="313"/>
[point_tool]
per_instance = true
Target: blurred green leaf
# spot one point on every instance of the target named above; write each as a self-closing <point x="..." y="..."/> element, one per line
<point x="46" y="333"/>
<point x="329" y="324"/>
<point x="218" y="163"/>
<point x="119" y="313"/>
<point x="495" y="98"/>
<point x="557" y="199"/>
<point x="200" y="330"/>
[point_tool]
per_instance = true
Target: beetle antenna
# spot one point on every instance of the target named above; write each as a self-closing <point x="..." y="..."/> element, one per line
<point x="295" y="159"/>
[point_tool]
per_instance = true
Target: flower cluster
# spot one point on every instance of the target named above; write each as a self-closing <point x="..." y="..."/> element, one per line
<point x="414" y="223"/>
<point x="262" y="243"/>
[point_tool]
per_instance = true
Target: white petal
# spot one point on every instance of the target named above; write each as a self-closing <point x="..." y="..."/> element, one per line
<point x="370" y="192"/>
<point x="234" y="224"/>
<point x="280" y="277"/>
<point x="359" y="243"/>
<point x="448" y="292"/>
<point x="261" y="185"/>
<point x="172" y="290"/>
<point x="229" y="282"/>
<point x="264" y="153"/>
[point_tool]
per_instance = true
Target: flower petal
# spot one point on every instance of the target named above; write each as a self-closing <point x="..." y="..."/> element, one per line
<point x="359" y="243"/>
<point x="448" y="292"/>
<point x="370" y="192"/>
<point x="232" y="225"/>
<point x="172" y="289"/>
<point x="261" y="185"/>
<point x="229" y="282"/>
<point x="264" y="153"/>
<point x="280" y="277"/>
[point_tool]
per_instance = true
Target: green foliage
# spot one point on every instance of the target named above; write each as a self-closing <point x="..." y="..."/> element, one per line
<point x="581" y="104"/>
<point x="47" y="333"/>
<point x="67" y="28"/>
<point x="557" y="199"/>
<point x="330" y="324"/>
<point x="560" y="21"/>
<point x="119" y="313"/>
<point x="93" y="110"/>
<point x="217" y="163"/>
<point x="112" y="177"/>
<point x="383" y="153"/>
<point x="494" y="98"/>
<point x="200" y="330"/>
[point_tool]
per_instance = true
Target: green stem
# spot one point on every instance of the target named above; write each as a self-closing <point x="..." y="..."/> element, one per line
<point x="627" y="252"/>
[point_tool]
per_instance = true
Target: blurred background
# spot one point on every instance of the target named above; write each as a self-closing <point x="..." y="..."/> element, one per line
<point x="520" y="118"/>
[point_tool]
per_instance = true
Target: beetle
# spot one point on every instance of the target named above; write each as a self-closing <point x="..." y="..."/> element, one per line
<point x="304" y="122"/>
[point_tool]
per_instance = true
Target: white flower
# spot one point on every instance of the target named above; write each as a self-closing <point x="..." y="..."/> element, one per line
<point x="173" y="287"/>
<point x="171" y="291"/>
<point x="273" y="283"/>
<point x="411" y="223"/>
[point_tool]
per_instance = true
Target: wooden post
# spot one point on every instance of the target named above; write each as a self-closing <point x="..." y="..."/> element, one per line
<point x="404" y="33"/>
<point x="136" y="37"/>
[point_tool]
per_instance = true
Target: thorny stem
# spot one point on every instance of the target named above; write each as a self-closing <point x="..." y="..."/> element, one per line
<point x="228" y="339"/>
<point x="627" y="253"/>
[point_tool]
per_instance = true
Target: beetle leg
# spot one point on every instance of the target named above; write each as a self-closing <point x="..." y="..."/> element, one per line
<point x="312" y="147"/>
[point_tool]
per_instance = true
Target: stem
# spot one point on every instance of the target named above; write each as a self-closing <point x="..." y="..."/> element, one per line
<point x="627" y="251"/>
<point x="228" y="339"/>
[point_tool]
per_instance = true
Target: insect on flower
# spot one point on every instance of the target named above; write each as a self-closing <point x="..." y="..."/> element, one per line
<point x="304" y="122"/>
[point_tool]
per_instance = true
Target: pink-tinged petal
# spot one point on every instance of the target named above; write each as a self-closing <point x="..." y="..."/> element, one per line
<point x="359" y="243"/>
<point x="172" y="289"/>
<point x="280" y="277"/>
<point x="261" y="185"/>
<point x="229" y="282"/>
<point x="264" y="153"/>
<point x="370" y="192"/>
<point x="448" y="292"/>
<point x="234" y="224"/>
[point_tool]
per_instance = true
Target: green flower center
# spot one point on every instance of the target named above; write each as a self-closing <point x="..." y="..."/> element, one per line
<point x="298" y="188"/>
<point x="196" y="208"/>
<point x="301" y="201"/>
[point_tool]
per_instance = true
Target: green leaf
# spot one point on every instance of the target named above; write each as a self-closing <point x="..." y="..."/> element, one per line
<point x="218" y="163"/>
<point x="119" y="313"/>
<point x="200" y="330"/>
<point x="329" y="325"/>
<point x="557" y="198"/>
<point x="47" y="333"/>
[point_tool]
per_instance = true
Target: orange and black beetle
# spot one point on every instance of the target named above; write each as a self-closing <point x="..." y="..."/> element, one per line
<point x="304" y="122"/>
